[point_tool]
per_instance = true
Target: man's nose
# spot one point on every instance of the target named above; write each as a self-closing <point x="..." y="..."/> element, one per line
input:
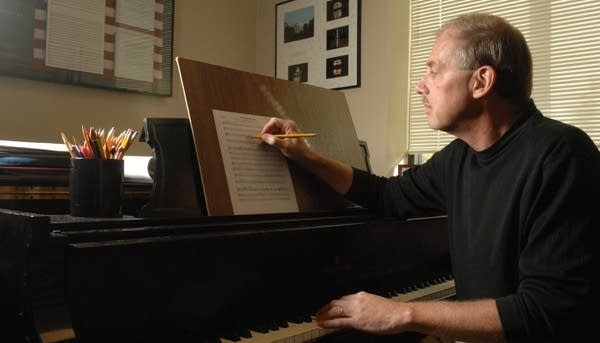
<point x="420" y="87"/>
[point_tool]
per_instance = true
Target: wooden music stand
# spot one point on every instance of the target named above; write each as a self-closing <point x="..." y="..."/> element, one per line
<point x="207" y="87"/>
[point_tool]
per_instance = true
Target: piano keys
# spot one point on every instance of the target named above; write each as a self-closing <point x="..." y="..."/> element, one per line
<point x="309" y="331"/>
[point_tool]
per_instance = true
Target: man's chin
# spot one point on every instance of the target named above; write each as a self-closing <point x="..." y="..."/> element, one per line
<point x="437" y="126"/>
<point x="434" y="125"/>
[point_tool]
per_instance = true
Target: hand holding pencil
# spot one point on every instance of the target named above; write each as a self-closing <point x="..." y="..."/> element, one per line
<point x="97" y="144"/>
<point x="279" y="133"/>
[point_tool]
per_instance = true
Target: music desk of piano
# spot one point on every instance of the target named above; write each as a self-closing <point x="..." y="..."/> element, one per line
<point x="188" y="277"/>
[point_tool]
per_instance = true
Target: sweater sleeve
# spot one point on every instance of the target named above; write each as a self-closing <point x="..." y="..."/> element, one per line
<point x="558" y="280"/>
<point x="415" y="194"/>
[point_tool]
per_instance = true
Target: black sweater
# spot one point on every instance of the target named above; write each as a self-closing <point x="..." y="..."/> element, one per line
<point x="523" y="220"/>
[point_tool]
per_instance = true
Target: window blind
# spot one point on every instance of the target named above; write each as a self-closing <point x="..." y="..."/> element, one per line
<point x="563" y="38"/>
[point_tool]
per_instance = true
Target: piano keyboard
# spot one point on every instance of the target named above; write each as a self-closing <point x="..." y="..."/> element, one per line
<point x="310" y="331"/>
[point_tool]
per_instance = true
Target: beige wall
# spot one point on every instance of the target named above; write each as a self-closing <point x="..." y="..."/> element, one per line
<point x="214" y="31"/>
<point x="238" y="34"/>
<point x="378" y="107"/>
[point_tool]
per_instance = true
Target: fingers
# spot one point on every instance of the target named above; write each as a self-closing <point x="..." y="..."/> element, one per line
<point x="332" y="315"/>
<point x="334" y="323"/>
<point x="282" y="144"/>
<point x="335" y="309"/>
<point x="270" y="139"/>
<point x="292" y="148"/>
<point x="338" y="313"/>
<point x="330" y="311"/>
<point x="278" y="125"/>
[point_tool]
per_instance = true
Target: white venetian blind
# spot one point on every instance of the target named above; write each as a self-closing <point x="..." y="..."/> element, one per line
<point x="564" y="39"/>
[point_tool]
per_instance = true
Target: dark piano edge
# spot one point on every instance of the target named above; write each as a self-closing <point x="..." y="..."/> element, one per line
<point x="35" y="221"/>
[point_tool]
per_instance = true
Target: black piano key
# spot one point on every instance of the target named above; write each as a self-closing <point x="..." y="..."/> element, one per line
<point x="282" y="323"/>
<point x="210" y="340"/>
<point x="296" y="319"/>
<point x="241" y="328"/>
<point x="259" y="326"/>
<point x="230" y="335"/>
<point x="245" y="333"/>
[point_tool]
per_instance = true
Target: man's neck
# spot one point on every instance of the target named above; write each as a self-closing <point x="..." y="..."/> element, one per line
<point x="487" y="127"/>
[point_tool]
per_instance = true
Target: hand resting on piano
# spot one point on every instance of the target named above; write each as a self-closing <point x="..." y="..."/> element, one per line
<point x="310" y="330"/>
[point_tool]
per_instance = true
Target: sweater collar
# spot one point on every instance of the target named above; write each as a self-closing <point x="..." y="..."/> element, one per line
<point x="529" y="111"/>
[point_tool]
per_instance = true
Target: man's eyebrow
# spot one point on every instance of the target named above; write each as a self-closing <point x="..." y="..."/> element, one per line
<point x="431" y="64"/>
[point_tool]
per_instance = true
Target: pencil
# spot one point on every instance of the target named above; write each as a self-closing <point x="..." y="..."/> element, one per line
<point x="99" y="144"/>
<point x="68" y="144"/>
<point x="289" y="135"/>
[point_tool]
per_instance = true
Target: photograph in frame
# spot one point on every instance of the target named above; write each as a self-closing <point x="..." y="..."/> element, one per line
<point x="299" y="24"/>
<point x="337" y="9"/>
<point x="337" y="67"/>
<point x="318" y="42"/>
<point x="298" y="72"/>
<point x="337" y="37"/>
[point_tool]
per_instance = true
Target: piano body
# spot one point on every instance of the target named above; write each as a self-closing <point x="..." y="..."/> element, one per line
<point x="165" y="276"/>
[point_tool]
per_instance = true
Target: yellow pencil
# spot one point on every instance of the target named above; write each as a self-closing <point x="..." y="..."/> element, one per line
<point x="68" y="144"/>
<point x="289" y="135"/>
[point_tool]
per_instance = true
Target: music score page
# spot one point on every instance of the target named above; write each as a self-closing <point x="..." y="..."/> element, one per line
<point x="258" y="176"/>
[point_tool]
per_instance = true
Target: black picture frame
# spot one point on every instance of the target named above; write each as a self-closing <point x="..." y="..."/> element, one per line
<point x="106" y="44"/>
<point x="318" y="42"/>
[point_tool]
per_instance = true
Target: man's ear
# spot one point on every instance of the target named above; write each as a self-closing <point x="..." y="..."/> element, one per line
<point x="484" y="79"/>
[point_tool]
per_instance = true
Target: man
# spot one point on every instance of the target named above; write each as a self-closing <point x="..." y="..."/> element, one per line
<point x="518" y="189"/>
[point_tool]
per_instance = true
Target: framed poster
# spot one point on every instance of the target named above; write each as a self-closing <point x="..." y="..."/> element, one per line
<point x="115" y="44"/>
<point x="318" y="42"/>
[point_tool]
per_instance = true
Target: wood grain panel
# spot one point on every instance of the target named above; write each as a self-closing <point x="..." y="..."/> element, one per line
<point x="207" y="87"/>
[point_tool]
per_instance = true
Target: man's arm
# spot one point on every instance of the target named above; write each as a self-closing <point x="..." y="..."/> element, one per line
<point x="336" y="174"/>
<point x="472" y="321"/>
<point x="469" y="321"/>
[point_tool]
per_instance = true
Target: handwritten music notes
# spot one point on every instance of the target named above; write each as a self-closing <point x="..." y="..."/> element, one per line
<point x="257" y="175"/>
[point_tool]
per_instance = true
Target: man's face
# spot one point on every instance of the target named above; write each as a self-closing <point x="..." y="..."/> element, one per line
<point x="445" y="87"/>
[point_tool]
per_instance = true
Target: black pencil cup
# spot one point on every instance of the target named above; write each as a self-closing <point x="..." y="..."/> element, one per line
<point x="96" y="187"/>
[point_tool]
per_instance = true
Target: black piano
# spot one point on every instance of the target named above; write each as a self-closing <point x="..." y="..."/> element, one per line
<point x="163" y="275"/>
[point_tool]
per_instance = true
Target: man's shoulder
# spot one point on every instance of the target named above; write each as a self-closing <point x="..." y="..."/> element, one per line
<point x="456" y="145"/>
<point x="557" y="133"/>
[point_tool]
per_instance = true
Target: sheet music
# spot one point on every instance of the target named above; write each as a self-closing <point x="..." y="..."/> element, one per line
<point x="257" y="175"/>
